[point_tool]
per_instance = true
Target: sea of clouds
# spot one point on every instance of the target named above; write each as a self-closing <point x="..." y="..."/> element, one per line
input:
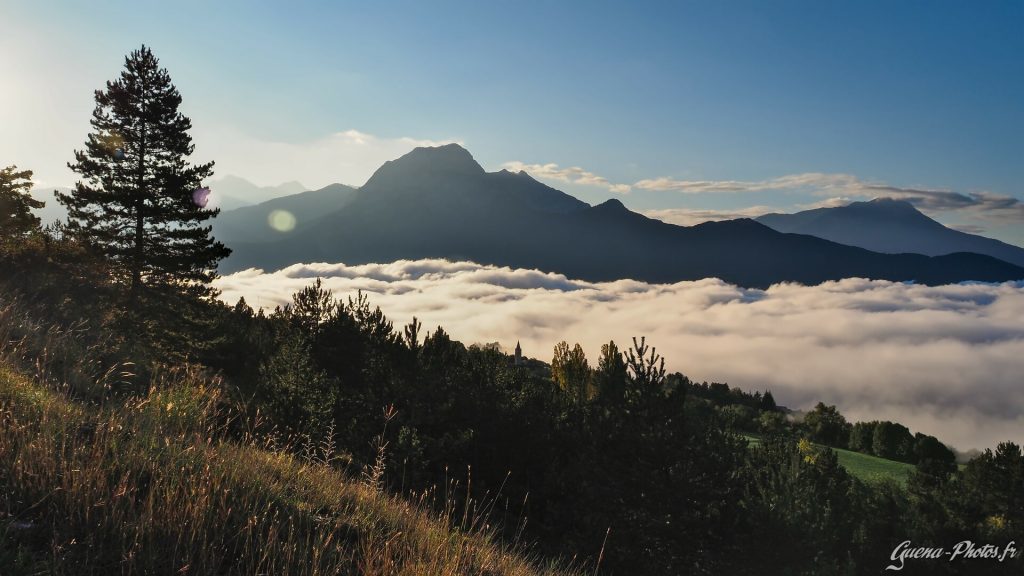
<point x="947" y="360"/>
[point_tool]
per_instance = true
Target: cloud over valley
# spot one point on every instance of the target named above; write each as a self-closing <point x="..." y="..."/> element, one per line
<point x="944" y="360"/>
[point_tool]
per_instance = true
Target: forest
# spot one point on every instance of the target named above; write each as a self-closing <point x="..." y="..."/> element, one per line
<point x="613" y="466"/>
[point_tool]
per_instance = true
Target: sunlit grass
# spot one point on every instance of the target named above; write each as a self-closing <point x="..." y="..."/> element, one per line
<point x="869" y="468"/>
<point x="153" y="484"/>
<point x="864" y="466"/>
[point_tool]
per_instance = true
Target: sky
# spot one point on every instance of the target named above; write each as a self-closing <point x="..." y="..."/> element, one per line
<point x="942" y="360"/>
<point x="686" y="110"/>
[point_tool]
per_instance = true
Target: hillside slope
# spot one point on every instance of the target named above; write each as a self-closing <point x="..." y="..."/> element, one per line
<point x="252" y="223"/>
<point x="152" y="484"/>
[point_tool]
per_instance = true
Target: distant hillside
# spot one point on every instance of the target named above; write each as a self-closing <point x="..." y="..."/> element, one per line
<point x="889" y="226"/>
<point x="438" y="202"/>
<point x="865" y="467"/>
<point x="252" y="223"/>
<point x="232" y="192"/>
<point x="228" y="194"/>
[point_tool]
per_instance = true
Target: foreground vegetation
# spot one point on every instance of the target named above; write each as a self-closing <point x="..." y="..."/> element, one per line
<point x="94" y="483"/>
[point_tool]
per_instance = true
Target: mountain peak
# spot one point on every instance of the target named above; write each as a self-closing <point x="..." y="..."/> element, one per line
<point x="888" y="209"/>
<point x="891" y="226"/>
<point x="428" y="162"/>
<point x="446" y="158"/>
<point x="613" y="204"/>
<point x="890" y="204"/>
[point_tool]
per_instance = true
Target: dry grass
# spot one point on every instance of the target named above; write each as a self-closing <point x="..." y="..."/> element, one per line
<point x="152" y="484"/>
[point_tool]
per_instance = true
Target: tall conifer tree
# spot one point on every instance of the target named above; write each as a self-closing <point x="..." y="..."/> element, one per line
<point x="16" y="218"/>
<point x="141" y="202"/>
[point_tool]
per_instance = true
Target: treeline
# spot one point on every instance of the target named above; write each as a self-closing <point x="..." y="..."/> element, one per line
<point x="755" y="413"/>
<point x="425" y="412"/>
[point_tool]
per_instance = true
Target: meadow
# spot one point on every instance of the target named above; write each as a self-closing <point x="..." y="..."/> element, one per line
<point x="864" y="467"/>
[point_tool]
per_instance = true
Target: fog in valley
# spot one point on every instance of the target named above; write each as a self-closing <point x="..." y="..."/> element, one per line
<point x="944" y="360"/>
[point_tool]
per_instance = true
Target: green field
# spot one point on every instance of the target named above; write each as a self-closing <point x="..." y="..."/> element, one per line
<point x="867" y="467"/>
<point x="864" y="466"/>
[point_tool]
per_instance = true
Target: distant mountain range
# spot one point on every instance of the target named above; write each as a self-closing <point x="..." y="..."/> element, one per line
<point x="440" y="203"/>
<point x="252" y="223"/>
<point x="231" y="192"/>
<point x="889" y="226"/>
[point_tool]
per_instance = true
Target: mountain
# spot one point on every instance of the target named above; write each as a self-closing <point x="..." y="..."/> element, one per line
<point x="232" y="192"/>
<point x="52" y="210"/>
<point x="439" y="203"/>
<point x="253" y="223"/>
<point x="889" y="226"/>
<point x="228" y="193"/>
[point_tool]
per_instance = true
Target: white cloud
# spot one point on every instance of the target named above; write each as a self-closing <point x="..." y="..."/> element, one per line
<point x="691" y="217"/>
<point x="944" y="360"/>
<point x="789" y="182"/>
<point x="844" y="188"/>
<point x="346" y="157"/>
<point x="834" y="202"/>
<point x="840" y="189"/>
<point x="571" y="175"/>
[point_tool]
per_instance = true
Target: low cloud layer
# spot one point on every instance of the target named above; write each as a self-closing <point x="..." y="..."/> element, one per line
<point x="984" y="205"/>
<point x="944" y="360"/>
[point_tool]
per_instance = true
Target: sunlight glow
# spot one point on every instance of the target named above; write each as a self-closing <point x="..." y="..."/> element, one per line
<point x="281" y="220"/>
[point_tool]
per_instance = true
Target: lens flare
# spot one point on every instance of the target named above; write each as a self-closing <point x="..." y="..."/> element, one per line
<point x="201" y="197"/>
<point x="281" y="220"/>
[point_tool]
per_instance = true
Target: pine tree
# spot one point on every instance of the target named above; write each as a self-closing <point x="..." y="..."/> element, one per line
<point x="571" y="372"/>
<point x="610" y="375"/>
<point x="16" y="218"/>
<point x="646" y="371"/>
<point x="297" y="392"/>
<point x="140" y="201"/>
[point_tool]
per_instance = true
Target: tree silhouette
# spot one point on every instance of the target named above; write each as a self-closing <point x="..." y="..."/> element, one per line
<point x="571" y="371"/>
<point x="646" y="370"/>
<point x="827" y="426"/>
<point x="16" y="218"/>
<point x="140" y="201"/>
<point x="610" y="376"/>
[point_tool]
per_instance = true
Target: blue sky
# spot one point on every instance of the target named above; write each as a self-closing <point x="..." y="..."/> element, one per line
<point x="712" y="105"/>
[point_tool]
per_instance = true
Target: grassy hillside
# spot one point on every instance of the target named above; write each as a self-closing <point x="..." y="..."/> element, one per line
<point x="153" y="484"/>
<point x="864" y="466"/>
<point x="867" y="467"/>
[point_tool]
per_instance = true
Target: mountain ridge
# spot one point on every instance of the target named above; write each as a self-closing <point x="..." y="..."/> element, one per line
<point x="252" y="223"/>
<point x="889" y="226"/>
<point x="439" y="203"/>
